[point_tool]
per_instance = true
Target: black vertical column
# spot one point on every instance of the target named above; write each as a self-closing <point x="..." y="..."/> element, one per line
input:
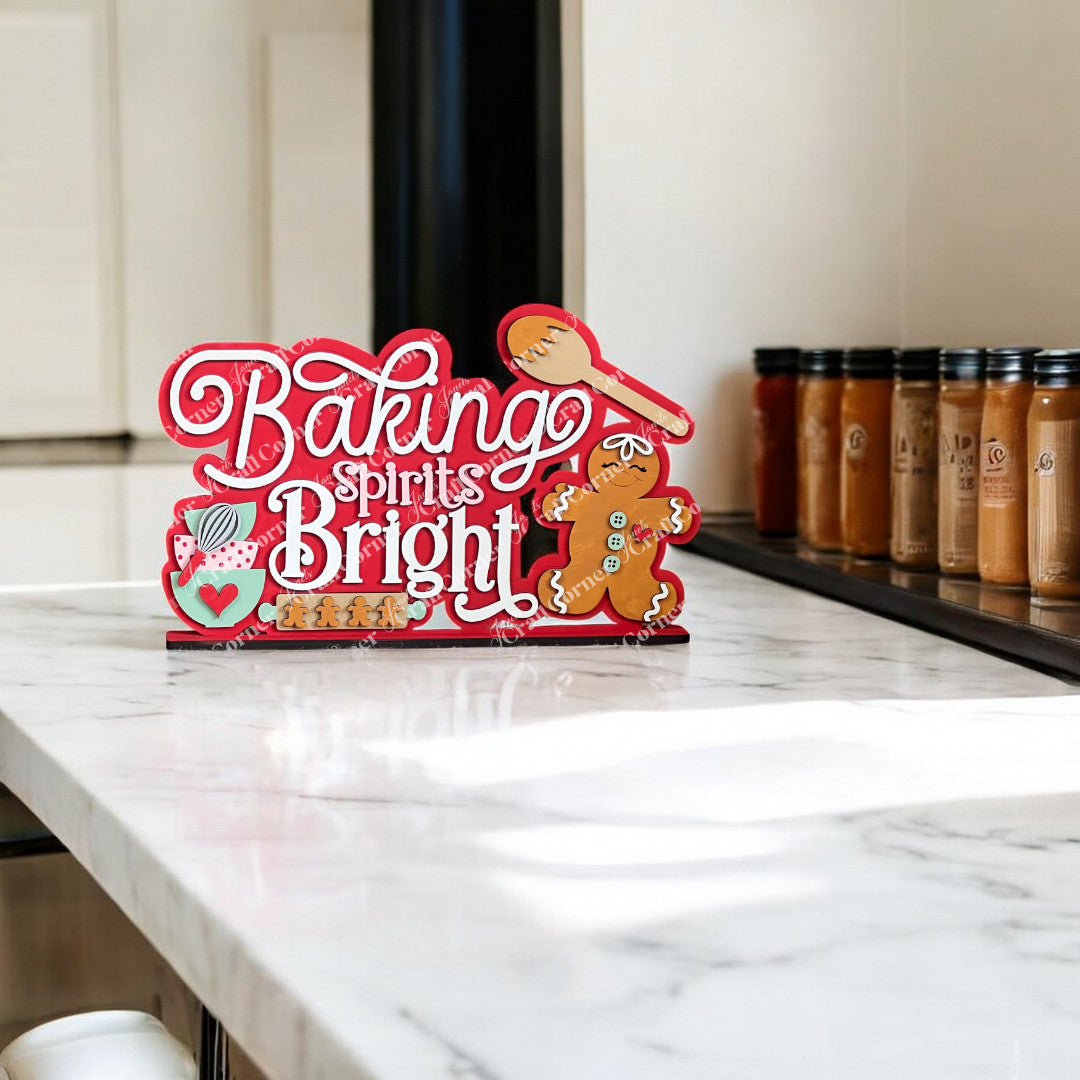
<point x="549" y="173"/>
<point x="393" y="108"/>
<point x="468" y="168"/>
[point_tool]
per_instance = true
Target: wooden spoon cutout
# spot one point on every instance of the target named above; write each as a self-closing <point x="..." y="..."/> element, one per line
<point x="553" y="353"/>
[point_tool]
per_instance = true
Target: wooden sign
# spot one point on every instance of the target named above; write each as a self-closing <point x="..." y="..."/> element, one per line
<point x="352" y="499"/>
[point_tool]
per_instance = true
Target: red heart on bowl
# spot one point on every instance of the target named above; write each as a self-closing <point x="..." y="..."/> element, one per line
<point x="217" y="600"/>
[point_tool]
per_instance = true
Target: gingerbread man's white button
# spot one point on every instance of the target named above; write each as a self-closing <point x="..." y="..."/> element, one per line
<point x="617" y="519"/>
<point x="615" y="541"/>
<point x="611" y="563"/>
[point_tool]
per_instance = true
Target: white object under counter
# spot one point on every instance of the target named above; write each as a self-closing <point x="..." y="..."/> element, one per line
<point x="812" y="843"/>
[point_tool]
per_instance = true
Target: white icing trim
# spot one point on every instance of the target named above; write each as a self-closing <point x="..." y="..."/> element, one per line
<point x="558" y="592"/>
<point x="562" y="504"/>
<point x="676" y="513"/>
<point x="628" y="444"/>
<point x="656" y="601"/>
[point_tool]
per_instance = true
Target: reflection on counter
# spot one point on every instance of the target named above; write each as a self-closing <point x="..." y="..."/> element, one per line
<point x="1058" y="616"/>
<point x="958" y="590"/>
<point x="1008" y="602"/>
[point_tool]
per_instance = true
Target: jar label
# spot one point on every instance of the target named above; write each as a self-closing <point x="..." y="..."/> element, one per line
<point x="913" y="439"/>
<point x="958" y="488"/>
<point x="958" y="461"/>
<point x="855" y="441"/>
<point x="998" y="477"/>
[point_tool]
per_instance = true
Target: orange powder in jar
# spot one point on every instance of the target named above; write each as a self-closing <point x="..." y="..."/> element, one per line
<point x="1003" y="466"/>
<point x="1053" y="450"/>
<point x="865" y="420"/>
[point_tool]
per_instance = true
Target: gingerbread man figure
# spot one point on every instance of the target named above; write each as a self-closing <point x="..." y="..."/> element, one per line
<point x="618" y="533"/>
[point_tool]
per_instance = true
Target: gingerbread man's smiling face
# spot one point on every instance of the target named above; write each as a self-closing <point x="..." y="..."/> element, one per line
<point x="625" y="460"/>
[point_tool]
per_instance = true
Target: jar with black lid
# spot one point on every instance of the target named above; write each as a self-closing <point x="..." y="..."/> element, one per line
<point x="865" y="416"/>
<point x="1053" y="432"/>
<point x="1003" y="465"/>
<point x="821" y="385"/>
<point x="774" y="439"/>
<point x="913" y="542"/>
<point x="960" y="401"/>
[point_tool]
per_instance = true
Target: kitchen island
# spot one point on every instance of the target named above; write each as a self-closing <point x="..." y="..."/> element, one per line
<point x="812" y="843"/>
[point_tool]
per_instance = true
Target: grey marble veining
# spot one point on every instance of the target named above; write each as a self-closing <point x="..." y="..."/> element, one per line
<point x="814" y="843"/>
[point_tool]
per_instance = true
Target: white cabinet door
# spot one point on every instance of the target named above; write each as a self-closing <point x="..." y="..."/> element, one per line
<point x="59" y="361"/>
<point x="246" y="164"/>
<point x="169" y="174"/>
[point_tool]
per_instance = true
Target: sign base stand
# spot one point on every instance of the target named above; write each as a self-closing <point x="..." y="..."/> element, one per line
<point x="187" y="640"/>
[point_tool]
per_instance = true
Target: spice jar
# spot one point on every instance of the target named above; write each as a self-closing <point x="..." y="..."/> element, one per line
<point x="864" y="463"/>
<point x="1003" y="465"/>
<point x="914" y="459"/>
<point x="774" y="439"/>
<point x="1053" y="432"/>
<point x="959" y="420"/>
<point x="818" y="445"/>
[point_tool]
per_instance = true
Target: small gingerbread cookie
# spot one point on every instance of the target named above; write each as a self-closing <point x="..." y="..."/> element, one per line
<point x="618" y="531"/>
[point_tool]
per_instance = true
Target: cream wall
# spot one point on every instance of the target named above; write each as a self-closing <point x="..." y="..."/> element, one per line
<point x="992" y="158"/>
<point x="816" y="172"/>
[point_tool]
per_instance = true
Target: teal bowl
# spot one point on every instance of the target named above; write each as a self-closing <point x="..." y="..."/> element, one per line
<point x="193" y="602"/>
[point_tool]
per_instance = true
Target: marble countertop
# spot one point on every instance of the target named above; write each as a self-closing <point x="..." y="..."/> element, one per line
<point x="812" y="843"/>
